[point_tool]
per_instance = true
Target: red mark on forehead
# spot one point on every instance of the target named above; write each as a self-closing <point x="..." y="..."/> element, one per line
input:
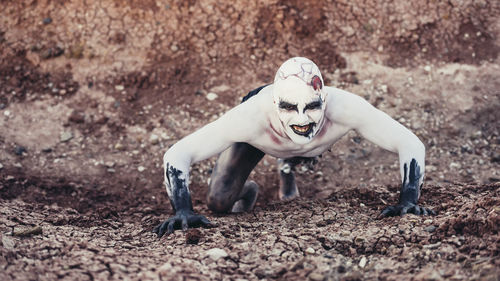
<point x="316" y="83"/>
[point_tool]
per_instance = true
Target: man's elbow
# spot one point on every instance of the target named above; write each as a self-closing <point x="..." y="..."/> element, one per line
<point x="416" y="145"/>
<point x="171" y="155"/>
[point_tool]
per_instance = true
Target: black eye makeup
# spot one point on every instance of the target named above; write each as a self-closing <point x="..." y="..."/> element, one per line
<point x="288" y="106"/>
<point x="313" y="105"/>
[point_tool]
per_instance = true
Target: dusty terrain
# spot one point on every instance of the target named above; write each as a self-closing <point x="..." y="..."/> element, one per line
<point x="92" y="93"/>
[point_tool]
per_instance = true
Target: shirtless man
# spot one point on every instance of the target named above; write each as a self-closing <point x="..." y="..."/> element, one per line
<point x="294" y="119"/>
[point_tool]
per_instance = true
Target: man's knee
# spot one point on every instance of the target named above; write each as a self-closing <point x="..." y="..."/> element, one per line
<point x="218" y="203"/>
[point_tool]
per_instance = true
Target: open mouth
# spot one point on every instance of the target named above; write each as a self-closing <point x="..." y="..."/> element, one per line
<point x="303" y="130"/>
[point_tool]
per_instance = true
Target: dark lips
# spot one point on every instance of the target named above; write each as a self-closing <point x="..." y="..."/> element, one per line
<point x="303" y="130"/>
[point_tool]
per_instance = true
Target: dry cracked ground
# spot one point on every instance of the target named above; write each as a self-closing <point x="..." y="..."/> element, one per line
<point x="92" y="93"/>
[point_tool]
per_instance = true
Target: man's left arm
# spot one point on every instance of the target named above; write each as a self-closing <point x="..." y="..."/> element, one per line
<point x="381" y="129"/>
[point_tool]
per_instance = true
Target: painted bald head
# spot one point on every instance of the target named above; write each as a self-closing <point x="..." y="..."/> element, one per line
<point x="300" y="99"/>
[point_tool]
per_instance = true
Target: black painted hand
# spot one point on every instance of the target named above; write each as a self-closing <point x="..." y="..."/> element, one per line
<point x="404" y="208"/>
<point x="183" y="219"/>
<point x="410" y="192"/>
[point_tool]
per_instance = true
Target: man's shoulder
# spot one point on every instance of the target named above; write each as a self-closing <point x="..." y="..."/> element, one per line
<point x="343" y="105"/>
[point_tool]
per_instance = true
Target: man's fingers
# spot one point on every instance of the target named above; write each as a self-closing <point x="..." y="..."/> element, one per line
<point x="405" y="209"/>
<point x="161" y="230"/>
<point x="387" y="212"/>
<point x="155" y="230"/>
<point x="170" y="227"/>
<point x="205" y="221"/>
<point x="184" y="224"/>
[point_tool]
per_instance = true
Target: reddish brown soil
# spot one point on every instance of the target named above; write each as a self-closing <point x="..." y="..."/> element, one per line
<point x="92" y="94"/>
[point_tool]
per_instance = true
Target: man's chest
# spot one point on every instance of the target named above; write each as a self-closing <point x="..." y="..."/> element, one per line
<point x="279" y="145"/>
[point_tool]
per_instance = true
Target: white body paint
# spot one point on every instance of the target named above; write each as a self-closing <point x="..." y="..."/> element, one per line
<point x="293" y="84"/>
<point x="257" y="122"/>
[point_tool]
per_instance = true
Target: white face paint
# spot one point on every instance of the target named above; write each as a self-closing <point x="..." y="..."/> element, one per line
<point x="300" y="99"/>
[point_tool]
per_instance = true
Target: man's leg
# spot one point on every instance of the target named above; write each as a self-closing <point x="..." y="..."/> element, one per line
<point x="227" y="186"/>
<point x="288" y="187"/>
<point x="286" y="169"/>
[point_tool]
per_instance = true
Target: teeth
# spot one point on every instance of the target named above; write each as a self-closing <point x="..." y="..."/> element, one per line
<point x="301" y="129"/>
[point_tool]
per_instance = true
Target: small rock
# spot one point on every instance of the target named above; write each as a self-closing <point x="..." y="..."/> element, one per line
<point x="193" y="236"/>
<point x="6" y="113"/>
<point x="432" y="246"/>
<point x="216" y="253"/>
<point x="174" y="48"/>
<point x="427" y="68"/>
<point x="362" y="262"/>
<point x="1" y="166"/>
<point x="430" y="228"/>
<point x="141" y="169"/>
<point x="25" y="232"/>
<point x="119" y="87"/>
<point x="154" y="139"/>
<point x="310" y="251"/>
<point x="212" y="96"/>
<point x="19" y="150"/>
<point x="119" y="146"/>
<point x="47" y="20"/>
<point x="316" y="276"/>
<point x="77" y="116"/>
<point x="8" y="243"/>
<point x="165" y="268"/>
<point x="66" y="136"/>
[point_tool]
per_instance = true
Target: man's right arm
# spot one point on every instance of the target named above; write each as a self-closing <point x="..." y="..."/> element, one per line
<point x="208" y="141"/>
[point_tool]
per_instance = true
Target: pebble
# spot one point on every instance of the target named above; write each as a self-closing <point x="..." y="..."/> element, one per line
<point x="154" y="139"/>
<point x="430" y="228"/>
<point x="212" y="96"/>
<point x="432" y="246"/>
<point x="310" y="251"/>
<point x="25" y="232"/>
<point x="119" y="87"/>
<point x="47" y="20"/>
<point x="427" y="68"/>
<point x="316" y="276"/>
<point x="8" y="243"/>
<point x="6" y="113"/>
<point x="362" y="262"/>
<point x="19" y="150"/>
<point x="66" y="136"/>
<point x="1" y="166"/>
<point x="141" y="169"/>
<point x="216" y="253"/>
<point x="119" y="146"/>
